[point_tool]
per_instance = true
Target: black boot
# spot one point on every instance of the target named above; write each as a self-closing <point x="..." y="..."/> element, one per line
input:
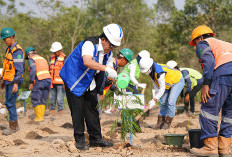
<point x="81" y="146"/>
<point x="100" y="143"/>
<point x="80" y="143"/>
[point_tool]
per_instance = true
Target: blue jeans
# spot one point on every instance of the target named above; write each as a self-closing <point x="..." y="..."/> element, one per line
<point x="57" y="94"/>
<point x="169" y="98"/>
<point x="40" y="91"/>
<point x="10" y="102"/>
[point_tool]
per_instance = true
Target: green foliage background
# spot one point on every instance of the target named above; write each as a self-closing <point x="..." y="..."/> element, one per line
<point x="161" y="29"/>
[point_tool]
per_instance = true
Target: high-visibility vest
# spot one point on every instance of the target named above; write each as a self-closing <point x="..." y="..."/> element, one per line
<point x="222" y="51"/>
<point x="194" y="76"/>
<point x="41" y="67"/>
<point x="76" y="76"/>
<point x="172" y="76"/>
<point x="55" y="68"/>
<point x="8" y="72"/>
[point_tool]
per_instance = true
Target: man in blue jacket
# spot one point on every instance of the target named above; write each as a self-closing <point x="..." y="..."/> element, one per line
<point x="12" y="76"/>
<point x="78" y="73"/>
<point x="216" y="58"/>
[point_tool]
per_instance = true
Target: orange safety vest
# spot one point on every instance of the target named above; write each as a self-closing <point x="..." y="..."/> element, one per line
<point x="222" y="51"/>
<point x="8" y="72"/>
<point x="55" y="68"/>
<point x="41" y="67"/>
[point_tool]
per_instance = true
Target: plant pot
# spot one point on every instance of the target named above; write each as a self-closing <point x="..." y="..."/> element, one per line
<point x="194" y="138"/>
<point x="174" y="139"/>
<point x="179" y="109"/>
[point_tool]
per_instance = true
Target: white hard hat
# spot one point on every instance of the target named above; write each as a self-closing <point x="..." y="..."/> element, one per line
<point x="145" y="64"/>
<point x="56" y="46"/>
<point x="114" y="33"/>
<point x="172" y="64"/>
<point x="0" y="71"/>
<point x="144" y="53"/>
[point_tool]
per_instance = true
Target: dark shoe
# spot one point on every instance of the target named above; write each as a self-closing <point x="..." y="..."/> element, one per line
<point x="159" y="124"/>
<point x="100" y="143"/>
<point x="81" y="146"/>
<point x="13" y="128"/>
<point x="167" y="122"/>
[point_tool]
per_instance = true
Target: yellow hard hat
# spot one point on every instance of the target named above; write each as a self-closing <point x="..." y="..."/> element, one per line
<point x="199" y="31"/>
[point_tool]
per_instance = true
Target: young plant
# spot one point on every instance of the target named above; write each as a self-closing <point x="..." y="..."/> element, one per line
<point x="127" y="115"/>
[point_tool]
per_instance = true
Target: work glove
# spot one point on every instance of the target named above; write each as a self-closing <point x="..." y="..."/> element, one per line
<point x="111" y="73"/>
<point x="152" y="104"/>
<point x="142" y="85"/>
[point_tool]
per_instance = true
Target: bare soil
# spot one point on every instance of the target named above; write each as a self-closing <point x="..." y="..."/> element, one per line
<point x="54" y="137"/>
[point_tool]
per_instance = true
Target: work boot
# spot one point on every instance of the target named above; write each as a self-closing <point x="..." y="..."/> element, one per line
<point x="52" y="112"/>
<point x="81" y="146"/>
<point x="224" y="146"/>
<point x="210" y="148"/>
<point x="13" y="128"/>
<point x="60" y="113"/>
<point x="159" y="124"/>
<point x="100" y="143"/>
<point x="167" y="122"/>
<point x="39" y="113"/>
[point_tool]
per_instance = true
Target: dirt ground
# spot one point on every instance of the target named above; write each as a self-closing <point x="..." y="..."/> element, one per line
<point x="54" y="137"/>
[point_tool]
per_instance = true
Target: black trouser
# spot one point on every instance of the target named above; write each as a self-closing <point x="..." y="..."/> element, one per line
<point x="82" y="109"/>
<point x="192" y="95"/>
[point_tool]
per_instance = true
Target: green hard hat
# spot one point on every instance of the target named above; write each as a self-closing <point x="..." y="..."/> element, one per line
<point x="7" y="32"/>
<point x="127" y="53"/>
<point x="28" y="49"/>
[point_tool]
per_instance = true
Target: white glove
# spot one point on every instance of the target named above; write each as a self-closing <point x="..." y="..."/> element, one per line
<point x="111" y="73"/>
<point x="142" y="85"/>
<point x="152" y="104"/>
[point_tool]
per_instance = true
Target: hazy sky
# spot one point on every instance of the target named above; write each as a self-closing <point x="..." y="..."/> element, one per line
<point x="31" y="5"/>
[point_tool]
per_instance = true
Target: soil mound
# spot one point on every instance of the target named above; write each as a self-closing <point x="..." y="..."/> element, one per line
<point x="33" y="135"/>
<point x="67" y="125"/>
<point x="19" y="142"/>
<point x="184" y="124"/>
<point x="48" y="130"/>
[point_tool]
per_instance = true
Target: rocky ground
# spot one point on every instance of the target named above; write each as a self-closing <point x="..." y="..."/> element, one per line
<point x="54" y="137"/>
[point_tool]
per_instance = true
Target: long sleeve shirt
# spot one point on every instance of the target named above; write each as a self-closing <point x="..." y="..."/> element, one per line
<point x="187" y="79"/>
<point x="206" y="57"/>
<point x="18" y="64"/>
<point x="159" y="91"/>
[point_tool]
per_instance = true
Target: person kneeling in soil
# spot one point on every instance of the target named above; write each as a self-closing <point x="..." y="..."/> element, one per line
<point x="40" y="82"/>
<point x="168" y="84"/>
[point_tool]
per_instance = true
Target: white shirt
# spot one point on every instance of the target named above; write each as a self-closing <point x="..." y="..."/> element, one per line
<point x="132" y="68"/>
<point x="88" y="49"/>
<point x="159" y="90"/>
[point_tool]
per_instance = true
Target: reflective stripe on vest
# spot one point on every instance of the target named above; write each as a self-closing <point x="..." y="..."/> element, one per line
<point x="55" y="68"/>
<point x="222" y="51"/>
<point x="8" y="71"/>
<point x="41" y="67"/>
